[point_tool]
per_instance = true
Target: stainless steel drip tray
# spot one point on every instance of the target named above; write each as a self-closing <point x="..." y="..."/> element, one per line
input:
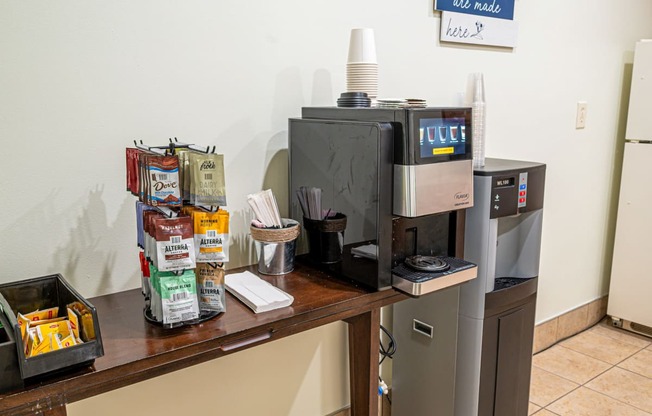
<point x="417" y="283"/>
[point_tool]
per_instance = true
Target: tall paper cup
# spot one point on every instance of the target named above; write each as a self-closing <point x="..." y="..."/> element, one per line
<point x="362" y="46"/>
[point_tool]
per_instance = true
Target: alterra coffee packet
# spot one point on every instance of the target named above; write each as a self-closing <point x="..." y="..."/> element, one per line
<point x="207" y="185"/>
<point x="174" y="299"/>
<point x="211" y="236"/>
<point x="210" y="284"/>
<point x="175" y="246"/>
<point x="163" y="179"/>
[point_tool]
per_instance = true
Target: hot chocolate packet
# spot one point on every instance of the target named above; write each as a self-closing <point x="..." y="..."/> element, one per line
<point x="163" y="174"/>
<point x="210" y="285"/>
<point x="207" y="185"/>
<point x="175" y="248"/>
<point x="211" y="236"/>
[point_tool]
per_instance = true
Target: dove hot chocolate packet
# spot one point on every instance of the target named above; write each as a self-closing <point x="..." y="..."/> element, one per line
<point x="163" y="175"/>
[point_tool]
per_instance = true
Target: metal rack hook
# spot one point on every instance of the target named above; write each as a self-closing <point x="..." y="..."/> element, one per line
<point x="150" y="149"/>
<point x="211" y="208"/>
<point x="193" y="147"/>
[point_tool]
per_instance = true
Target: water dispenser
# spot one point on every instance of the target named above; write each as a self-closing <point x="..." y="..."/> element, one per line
<point x="496" y="311"/>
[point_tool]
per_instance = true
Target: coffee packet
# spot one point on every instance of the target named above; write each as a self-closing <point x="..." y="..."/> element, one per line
<point x="210" y="285"/>
<point x="211" y="236"/>
<point x="179" y="301"/>
<point x="175" y="246"/>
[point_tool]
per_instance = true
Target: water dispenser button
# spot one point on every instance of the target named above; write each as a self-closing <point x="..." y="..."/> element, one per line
<point x="522" y="180"/>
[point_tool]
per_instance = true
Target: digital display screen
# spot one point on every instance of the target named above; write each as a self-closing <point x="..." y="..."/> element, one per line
<point x="442" y="136"/>
<point x="505" y="182"/>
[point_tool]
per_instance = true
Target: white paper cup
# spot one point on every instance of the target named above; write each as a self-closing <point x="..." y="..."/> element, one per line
<point x="362" y="46"/>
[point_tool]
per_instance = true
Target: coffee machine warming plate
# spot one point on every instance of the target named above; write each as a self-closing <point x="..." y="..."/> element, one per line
<point x="417" y="283"/>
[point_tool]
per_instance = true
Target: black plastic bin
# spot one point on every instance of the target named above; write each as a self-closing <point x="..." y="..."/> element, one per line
<point x="9" y="371"/>
<point x="41" y="293"/>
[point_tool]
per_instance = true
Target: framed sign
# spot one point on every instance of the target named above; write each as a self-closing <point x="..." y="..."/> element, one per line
<point x="478" y="22"/>
<point x="478" y="30"/>
<point x="499" y="9"/>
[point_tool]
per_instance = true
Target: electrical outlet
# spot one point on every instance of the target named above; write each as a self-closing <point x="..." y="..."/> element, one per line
<point x="580" y="118"/>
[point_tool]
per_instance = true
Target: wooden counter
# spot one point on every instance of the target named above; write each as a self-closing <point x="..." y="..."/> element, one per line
<point x="135" y="350"/>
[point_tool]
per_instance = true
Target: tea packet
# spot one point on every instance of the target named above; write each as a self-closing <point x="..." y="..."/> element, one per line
<point x="86" y="328"/>
<point x="210" y="285"/>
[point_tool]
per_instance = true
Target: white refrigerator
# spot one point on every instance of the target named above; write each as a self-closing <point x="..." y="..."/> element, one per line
<point x="630" y="292"/>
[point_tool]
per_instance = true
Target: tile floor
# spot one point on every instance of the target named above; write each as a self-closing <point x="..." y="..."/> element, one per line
<point x="601" y="371"/>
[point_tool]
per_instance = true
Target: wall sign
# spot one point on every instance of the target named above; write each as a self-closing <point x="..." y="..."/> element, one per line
<point x="478" y="22"/>
<point x="479" y="30"/>
<point x="500" y="9"/>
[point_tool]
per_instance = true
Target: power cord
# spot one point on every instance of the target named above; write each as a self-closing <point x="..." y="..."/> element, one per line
<point x="385" y="352"/>
<point x="390" y="350"/>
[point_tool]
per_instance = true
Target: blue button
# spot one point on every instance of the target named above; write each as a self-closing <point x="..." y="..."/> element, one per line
<point x="523" y="186"/>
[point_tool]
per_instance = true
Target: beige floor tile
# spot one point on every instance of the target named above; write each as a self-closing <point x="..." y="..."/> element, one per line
<point x="546" y="387"/>
<point x="625" y="386"/>
<point x="532" y="408"/>
<point x="602" y="347"/>
<point x="572" y="322"/>
<point x="639" y="363"/>
<point x="586" y="402"/>
<point x="569" y="364"/>
<point x="545" y="412"/>
<point x="545" y="335"/>
<point x="604" y="328"/>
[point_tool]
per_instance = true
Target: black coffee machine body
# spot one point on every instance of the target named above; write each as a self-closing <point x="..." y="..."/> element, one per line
<point x="401" y="177"/>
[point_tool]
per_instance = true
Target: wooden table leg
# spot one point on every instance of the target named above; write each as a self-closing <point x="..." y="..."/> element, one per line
<point x="55" y="411"/>
<point x="364" y="343"/>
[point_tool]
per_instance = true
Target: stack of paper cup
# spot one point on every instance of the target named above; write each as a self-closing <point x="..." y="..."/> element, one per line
<point x="362" y="67"/>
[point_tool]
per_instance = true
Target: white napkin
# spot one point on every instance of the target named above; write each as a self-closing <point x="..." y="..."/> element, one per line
<point x="256" y="293"/>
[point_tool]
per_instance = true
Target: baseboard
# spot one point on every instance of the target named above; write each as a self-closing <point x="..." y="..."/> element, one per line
<point x="568" y="324"/>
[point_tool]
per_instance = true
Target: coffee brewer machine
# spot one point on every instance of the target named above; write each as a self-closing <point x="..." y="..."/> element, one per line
<point x="403" y="178"/>
<point x="496" y="318"/>
<point x="400" y="177"/>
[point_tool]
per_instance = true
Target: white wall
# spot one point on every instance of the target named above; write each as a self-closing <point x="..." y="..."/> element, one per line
<point x="79" y="80"/>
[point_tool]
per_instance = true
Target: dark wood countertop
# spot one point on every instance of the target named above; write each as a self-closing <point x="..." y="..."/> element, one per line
<point x="135" y="350"/>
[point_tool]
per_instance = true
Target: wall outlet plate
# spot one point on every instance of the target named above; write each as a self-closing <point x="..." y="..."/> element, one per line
<point x="580" y="118"/>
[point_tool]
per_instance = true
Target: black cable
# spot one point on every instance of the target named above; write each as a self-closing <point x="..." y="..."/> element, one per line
<point x="390" y="350"/>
